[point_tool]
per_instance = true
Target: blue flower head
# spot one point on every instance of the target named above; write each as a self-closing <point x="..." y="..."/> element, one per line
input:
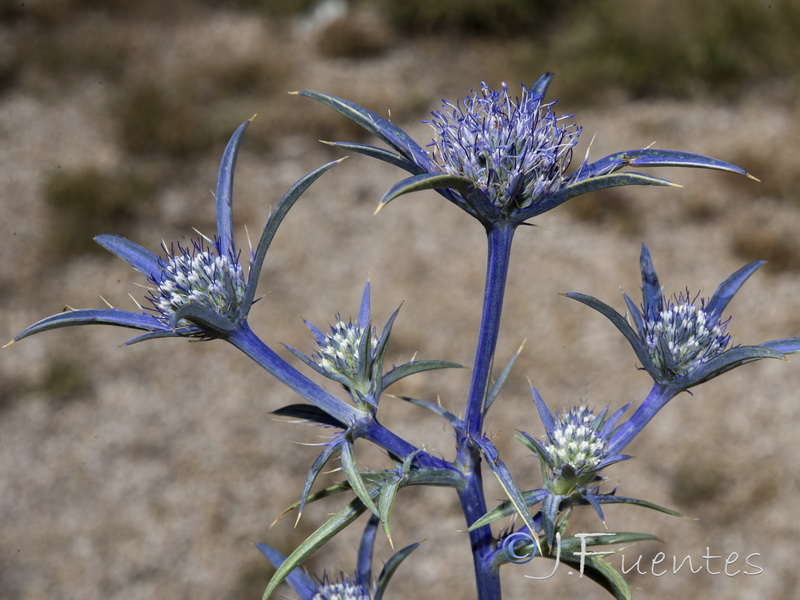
<point x="504" y="160"/>
<point x="346" y="350"/>
<point x="575" y="443"/>
<point x="683" y="341"/>
<point x="578" y="445"/>
<point x="344" y="589"/>
<point x="683" y="336"/>
<point x="353" y="354"/>
<point x="576" y="448"/>
<point x="200" y="275"/>
<point x="340" y="350"/>
<point x="514" y="151"/>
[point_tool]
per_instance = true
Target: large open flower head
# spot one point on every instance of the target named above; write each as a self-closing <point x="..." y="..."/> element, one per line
<point x="504" y="159"/>
<point x="514" y="150"/>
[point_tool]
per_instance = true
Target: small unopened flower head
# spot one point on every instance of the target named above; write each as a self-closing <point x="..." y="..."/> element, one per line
<point x="515" y="150"/>
<point x="683" y="336"/>
<point x="200" y="276"/>
<point x="575" y="440"/>
<point x="346" y="589"/>
<point x="340" y="352"/>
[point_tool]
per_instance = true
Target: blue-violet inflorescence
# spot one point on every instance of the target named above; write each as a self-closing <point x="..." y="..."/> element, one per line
<point x="514" y="150"/>
<point x="683" y="336"/>
<point x="346" y="589"/>
<point x="503" y="160"/>
<point x="683" y="342"/>
<point x="344" y="349"/>
<point x="197" y="275"/>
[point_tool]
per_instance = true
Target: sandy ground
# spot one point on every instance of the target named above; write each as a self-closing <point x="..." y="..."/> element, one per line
<point x="156" y="478"/>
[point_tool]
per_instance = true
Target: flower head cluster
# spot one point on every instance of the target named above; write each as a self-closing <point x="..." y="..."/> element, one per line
<point x="681" y="342"/>
<point x="684" y="336"/>
<point x="576" y="446"/>
<point x="345" y="348"/>
<point x="345" y="589"/>
<point x="575" y="441"/>
<point x="572" y="455"/>
<point x="199" y="290"/>
<point x="200" y="276"/>
<point x="515" y="151"/>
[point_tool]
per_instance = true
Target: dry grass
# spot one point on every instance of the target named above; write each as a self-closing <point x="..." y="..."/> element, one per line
<point x="157" y="473"/>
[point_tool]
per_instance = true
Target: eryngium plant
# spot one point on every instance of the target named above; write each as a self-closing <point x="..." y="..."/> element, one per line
<point x="503" y="160"/>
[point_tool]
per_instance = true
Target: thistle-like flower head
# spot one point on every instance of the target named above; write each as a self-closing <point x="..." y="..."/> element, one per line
<point x="683" y="341"/>
<point x="501" y="159"/>
<point x="514" y="150"/>
<point x="575" y="448"/>
<point x="201" y="275"/>
<point x="353" y="354"/>
<point x="346" y="348"/>
<point x="573" y="453"/>
<point x="575" y="443"/>
<point x="344" y="589"/>
<point x="683" y="336"/>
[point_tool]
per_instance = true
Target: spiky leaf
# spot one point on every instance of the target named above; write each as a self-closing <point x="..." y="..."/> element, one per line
<point x="353" y="475"/>
<point x="316" y="540"/>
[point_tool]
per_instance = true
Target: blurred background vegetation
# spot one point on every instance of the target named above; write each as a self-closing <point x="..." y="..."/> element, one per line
<point x="166" y="110"/>
<point x="642" y="48"/>
<point x="172" y="80"/>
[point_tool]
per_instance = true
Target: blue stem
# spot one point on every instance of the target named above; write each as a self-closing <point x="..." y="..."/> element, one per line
<point x="248" y="342"/>
<point x="471" y="495"/>
<point x="499" y="238"/>
<point x="659" y="395"/>
<point x="481" y="540"/>
<point x="391" y="442"/>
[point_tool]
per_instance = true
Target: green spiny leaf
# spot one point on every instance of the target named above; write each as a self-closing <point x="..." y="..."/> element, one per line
<point x="315" y="541"/>
<point x="498" y="385"/>
<point x="412" y="368"/>
<point x="386" y="503"/>
<point x="354" y="477"/>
